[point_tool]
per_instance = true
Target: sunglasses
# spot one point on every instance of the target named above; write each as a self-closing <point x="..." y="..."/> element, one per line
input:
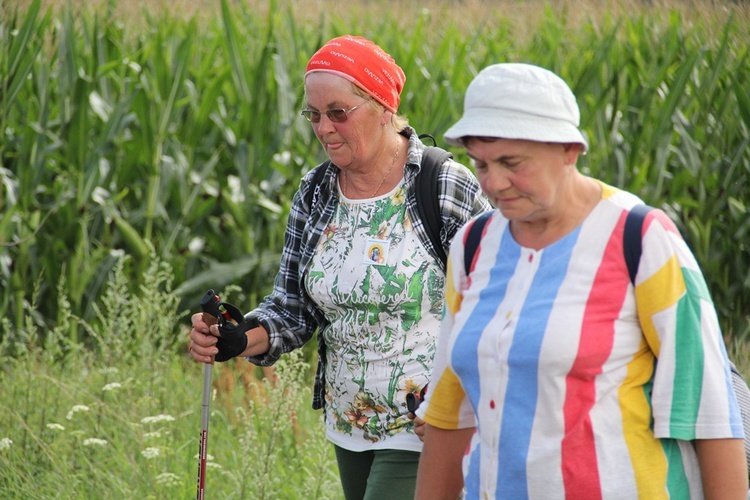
<point x="338" y="115"/>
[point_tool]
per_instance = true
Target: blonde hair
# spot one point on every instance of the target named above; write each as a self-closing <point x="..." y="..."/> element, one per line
<point x="399" y="122"/>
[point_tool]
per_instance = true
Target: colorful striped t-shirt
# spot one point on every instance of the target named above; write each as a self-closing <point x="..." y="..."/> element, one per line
<point x="581" y="385"/>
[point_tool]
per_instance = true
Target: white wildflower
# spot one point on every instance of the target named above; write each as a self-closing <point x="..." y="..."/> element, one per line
<point x="76" y="409"/>
<point x="94" y="442"/>
<point x="196" y="244"/>
<point x="5" y="443"/>
<point x="55" y="427"/>
<point x="150" y="453"/>
<point x="168" y="479"/>
<point x="208" y="457"/>
<point x="214" y="465"/>
<point x="111" y="387"/>
<point x="152" y="435"/>
<point x="157" y="419"/>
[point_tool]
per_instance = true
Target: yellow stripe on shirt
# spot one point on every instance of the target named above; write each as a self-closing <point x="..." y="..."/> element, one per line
<point x="646" y="452"/>
<point x="447" y="389"/>
<point x="655" y="294"/>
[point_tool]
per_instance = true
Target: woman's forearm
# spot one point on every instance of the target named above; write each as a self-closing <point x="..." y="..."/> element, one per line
<point x="723" y="468"/>
<point x="440" y="475"/>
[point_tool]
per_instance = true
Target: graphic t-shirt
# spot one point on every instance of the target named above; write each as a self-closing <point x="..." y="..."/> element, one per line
<point x="382" y="294"/>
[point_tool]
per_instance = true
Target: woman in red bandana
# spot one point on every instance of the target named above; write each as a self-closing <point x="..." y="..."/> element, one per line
<point x="359" y="268"/>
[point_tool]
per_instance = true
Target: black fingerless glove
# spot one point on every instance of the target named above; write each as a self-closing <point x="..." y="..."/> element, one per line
<point x="232" y="326"/>
<point x="232" y="342"/>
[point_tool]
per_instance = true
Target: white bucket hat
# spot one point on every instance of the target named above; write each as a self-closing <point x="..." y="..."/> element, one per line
<point x="518" y="101"/>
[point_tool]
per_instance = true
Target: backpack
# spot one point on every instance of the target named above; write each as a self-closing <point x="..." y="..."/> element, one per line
<point x="632" y="252"/>
<point x="426" y="184"/>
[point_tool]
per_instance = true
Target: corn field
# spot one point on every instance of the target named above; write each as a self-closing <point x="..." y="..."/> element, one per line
<point x="176" y="136"/>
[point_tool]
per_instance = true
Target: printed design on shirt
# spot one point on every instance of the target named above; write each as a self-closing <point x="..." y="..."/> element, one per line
<point x="376" y="252"/>
<point x="382" y="293"/>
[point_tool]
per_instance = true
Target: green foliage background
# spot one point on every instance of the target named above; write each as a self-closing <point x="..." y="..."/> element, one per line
<point x="181" y="133"/>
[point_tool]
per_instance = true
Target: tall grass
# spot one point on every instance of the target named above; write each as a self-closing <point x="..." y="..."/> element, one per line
<point x="181" y="132"/>
<point x="121" y="418"/>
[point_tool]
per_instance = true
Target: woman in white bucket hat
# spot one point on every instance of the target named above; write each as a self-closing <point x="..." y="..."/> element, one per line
<point x="558" y="373"/>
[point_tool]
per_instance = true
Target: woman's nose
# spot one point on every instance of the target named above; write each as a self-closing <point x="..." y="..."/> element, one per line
<point x="496" y="180"/>
<point x="325" y="124"/>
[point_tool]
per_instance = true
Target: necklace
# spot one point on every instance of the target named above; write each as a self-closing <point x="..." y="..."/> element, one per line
<point x="393" y="163"/>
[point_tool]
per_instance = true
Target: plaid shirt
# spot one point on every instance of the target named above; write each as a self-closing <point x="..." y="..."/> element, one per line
<point x="289" y="315"/>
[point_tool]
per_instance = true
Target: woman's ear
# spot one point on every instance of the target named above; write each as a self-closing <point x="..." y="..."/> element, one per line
<point x="571" y="151"/>
<point x="386" y="118"/>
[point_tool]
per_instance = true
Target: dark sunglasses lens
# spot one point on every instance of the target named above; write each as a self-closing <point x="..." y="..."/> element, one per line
<point x="310" y="115"/>
<point x="337" y="115"/>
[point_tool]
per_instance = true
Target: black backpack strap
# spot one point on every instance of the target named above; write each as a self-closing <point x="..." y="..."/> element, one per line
<point x="473" y="237"/>
<point x="428" y="204"/>
<point x="632" y="245"/>
<point x="314" y="191"/>
<point x="422" y="137"/>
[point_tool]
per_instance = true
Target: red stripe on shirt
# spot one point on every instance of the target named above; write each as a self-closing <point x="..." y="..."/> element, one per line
<point x="579" y="462"/>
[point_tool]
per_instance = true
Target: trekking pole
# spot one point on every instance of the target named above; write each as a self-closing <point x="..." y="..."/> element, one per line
<point x="204" y="432"/>
<point x="210" y="308"/>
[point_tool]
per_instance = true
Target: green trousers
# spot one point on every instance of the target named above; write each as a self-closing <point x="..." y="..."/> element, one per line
<point x="377" y="474"/>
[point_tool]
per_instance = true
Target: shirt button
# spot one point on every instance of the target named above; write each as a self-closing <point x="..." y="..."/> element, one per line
<point x="492" y="404"/>
<point x="531" y="257"/>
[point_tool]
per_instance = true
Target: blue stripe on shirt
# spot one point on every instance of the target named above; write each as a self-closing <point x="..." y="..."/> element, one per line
<point x="520" y="402"/>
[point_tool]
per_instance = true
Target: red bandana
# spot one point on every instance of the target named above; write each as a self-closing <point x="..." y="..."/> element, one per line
<point x="363" y="63"/>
